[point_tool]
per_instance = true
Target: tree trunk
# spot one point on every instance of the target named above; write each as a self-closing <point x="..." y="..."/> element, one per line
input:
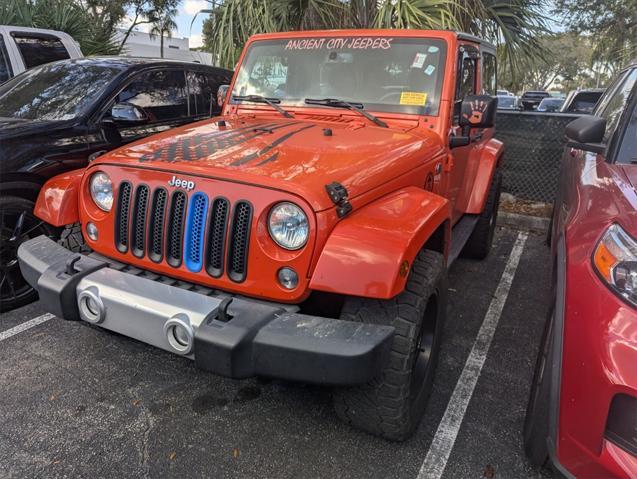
<point x="161" y="44"/>
<point x="126" y="35"/>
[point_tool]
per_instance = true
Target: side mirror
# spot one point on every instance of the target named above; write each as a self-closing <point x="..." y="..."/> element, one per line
<point x="587" y="133"/>
<point x="478" y="111"/>
<point x="222" y="93"/>
<point x="128" y="113"/>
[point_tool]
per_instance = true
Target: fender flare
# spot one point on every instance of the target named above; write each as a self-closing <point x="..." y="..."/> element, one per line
<point x="369" y="253"/>
<point x="489" y="160"/>
<point x="57" y="203"/>
<point x="22" y="184"/>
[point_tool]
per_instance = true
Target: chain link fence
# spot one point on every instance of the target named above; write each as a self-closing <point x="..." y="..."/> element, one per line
<point x="533" y="145"/>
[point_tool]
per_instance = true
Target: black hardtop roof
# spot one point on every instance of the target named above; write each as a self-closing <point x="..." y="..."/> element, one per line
<point x="472" y="38"/>
<point x="138" y="62"/>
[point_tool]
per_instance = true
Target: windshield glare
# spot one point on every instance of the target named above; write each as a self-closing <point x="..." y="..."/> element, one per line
<point x="56" y="91"/>
<point x="387" y="74"/>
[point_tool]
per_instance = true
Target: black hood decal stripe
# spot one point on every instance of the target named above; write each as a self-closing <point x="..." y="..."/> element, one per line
<point x="156" y="155"/>
<point x="274" y="144"/>
<point x="198" y="147"/>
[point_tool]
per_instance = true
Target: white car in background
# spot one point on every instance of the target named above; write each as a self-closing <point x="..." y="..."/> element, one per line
<point x="22" y="48"/>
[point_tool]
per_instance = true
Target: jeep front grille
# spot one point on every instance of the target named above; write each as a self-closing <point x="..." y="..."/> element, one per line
<point x="184" y="229"/>
<point x="121" y="220"/>
<point x="217" y="227"/>
<point x="138" y="231"/>
<point x="193" y="254"/>
<point x="238" y="256"/>
<point x="156" y="228"/>
<point x="175" y="232"/>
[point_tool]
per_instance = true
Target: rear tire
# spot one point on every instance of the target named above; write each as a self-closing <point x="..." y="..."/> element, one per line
<point x="480" y="241"/>
<point x="392" y="405"/>
<point x="536" y="422"/>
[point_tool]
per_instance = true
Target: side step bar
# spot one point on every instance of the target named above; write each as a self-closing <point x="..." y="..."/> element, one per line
<point x="460" y="235"/>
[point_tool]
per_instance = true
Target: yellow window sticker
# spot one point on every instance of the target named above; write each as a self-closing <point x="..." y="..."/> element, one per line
<point x="413" y="98"/>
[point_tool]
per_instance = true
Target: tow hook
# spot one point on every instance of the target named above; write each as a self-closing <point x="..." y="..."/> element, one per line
<point x="220" y="313"/>
<point x="70" y="265"/>
<point x="339" y="196"/>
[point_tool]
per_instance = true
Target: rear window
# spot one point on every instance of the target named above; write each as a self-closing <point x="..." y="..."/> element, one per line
<point x="584" y="102"/>
<point x="37" y="49"/>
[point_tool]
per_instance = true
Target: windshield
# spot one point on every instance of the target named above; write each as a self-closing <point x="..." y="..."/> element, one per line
<point x="56" y="91"/>
<point x="389" y="74"/>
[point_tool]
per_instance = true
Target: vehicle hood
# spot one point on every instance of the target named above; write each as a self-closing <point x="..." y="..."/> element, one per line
<point x="16" y="127"/>
<point x="300" y="156"/>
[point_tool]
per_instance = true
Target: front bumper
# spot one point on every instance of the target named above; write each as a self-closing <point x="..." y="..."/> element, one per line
<point x="231" y="336"/>
<point x="599" y="353"/>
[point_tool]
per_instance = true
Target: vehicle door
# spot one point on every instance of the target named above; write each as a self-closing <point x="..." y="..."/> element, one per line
<point x="466" y="84"/>
<point x="152" y="101"/>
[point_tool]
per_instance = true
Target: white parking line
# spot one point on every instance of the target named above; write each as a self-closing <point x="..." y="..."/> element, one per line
<point x="24" y="326"/>
<point x="442" y="444"/>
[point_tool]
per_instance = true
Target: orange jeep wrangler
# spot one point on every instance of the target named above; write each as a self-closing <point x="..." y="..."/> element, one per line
<point x="305" y="233"/>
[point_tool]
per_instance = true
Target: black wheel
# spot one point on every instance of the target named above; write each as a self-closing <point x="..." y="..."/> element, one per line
<point x="17" y="224"/>
<point x="392" y="404"/>
<point x="536" y="422"/>
<point x="480" y="241"/>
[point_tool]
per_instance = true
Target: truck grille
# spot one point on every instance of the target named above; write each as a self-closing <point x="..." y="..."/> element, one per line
<point x="184" y="229"/>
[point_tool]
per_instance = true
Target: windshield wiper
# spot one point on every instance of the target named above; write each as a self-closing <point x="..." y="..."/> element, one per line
<point x="336" y="103"/>
<point x="261" y="99"/>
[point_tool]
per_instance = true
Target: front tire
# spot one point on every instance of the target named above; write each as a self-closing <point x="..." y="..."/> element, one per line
<point x="536" y="422"/>
<point x="392" y="405"/>
<point x="17" y="225"/>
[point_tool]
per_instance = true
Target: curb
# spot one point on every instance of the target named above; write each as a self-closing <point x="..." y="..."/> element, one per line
<point x="523" y="222"/>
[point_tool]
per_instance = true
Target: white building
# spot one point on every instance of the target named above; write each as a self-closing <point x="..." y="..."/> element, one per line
<point x="141" y="44"/>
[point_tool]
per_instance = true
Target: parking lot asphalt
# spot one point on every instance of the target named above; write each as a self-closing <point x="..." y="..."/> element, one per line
<point x="77" y="401"/>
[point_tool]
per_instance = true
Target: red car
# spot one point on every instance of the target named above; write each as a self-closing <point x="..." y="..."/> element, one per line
<point x="582" y="414"/>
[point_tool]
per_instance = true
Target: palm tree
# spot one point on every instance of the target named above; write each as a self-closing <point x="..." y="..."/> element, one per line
<point x="162" y="24"/>
<point x="514" y="24"/>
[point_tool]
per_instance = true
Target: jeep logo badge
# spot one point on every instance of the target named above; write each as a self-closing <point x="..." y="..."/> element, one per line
<point x="179" y="183"/>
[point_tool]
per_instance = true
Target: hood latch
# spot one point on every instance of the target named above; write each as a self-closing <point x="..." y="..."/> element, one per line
<point x="339" y="196"/>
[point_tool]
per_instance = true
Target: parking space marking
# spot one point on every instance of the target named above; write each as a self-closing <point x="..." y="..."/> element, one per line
<point x="26" y="325"/>
<point x="436" y="460"/>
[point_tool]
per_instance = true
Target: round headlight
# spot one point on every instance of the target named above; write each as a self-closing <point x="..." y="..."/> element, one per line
<point x="102" y="191"/>
<point x="288" y="226"/>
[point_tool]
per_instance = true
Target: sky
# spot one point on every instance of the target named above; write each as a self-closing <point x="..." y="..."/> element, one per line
<point x="187" y="11"/>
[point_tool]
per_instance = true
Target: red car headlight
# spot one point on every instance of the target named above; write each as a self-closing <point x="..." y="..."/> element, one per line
<point x="615" y="259"/>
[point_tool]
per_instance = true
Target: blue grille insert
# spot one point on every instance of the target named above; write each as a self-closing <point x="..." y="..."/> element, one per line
<point x="195" y="230"/>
